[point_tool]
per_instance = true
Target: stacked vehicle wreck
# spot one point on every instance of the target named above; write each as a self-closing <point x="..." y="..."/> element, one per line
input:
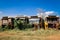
<point x="37" y="22"/>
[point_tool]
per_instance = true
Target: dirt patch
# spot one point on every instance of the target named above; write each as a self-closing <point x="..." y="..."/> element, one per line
<point x="6" y="35"/>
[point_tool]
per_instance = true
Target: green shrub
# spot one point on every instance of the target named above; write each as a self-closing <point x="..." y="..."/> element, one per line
<point x="27" y="26"/>
<point x="15" y="24"/>
<point x="5" y="28"/>
<point x="18" y="24"/>
<point x="21" y="25"/>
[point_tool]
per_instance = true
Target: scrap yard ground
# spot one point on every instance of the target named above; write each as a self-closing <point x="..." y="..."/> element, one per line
<point x="41" y="34"/>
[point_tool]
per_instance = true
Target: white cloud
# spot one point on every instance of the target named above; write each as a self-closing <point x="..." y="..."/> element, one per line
<point x="49" y="12"/>
<point x="45" y="13"/>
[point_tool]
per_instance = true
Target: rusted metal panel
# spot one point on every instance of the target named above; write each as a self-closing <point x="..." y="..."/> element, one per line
<point x="5" y="18"/>
<point x="34" y="16"/>
<point x="9" y="20"/>
<point x="5" y="22"/>
<point x="0" y="22"/>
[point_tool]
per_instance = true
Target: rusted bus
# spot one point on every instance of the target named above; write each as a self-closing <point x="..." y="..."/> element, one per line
<point x="34" y="20"/>
<point x="7" y="22"/>
<point x="38" y="22"/>
<point x="52" y="20"/>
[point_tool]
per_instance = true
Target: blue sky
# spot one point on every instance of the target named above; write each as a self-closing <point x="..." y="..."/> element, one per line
<point x="27" y="7"/>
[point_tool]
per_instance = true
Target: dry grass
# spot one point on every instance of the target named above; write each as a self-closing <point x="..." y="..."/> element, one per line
<point x="28" y="34"/>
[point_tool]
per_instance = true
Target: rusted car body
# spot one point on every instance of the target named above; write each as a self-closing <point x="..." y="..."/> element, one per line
<point x="52" y="21"/>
